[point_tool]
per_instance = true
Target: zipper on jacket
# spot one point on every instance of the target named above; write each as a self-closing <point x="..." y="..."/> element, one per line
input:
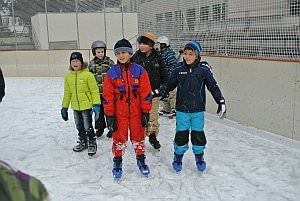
<point x="128" y="100"/>
<point x="76" y="90"/>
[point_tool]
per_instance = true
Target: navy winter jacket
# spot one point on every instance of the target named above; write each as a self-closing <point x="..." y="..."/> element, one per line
<point x="190" y="81"/>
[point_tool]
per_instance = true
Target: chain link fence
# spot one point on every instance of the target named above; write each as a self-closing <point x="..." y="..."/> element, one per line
<point x="255" y="29"/>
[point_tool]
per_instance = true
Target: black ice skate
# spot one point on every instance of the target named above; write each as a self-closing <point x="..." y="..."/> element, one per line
<point x="109" y="134"/>
<point x="99" y="133"/>
<point x="153" y="141"/>
<point x="92" y="147"/>
<point x="82" y="145"/>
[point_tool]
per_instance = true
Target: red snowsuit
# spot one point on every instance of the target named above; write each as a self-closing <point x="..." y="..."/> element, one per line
<point x="127" y="93"/>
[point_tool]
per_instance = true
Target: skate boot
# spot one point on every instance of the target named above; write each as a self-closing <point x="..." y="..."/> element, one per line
<point x="177" y="163"/>
<point x="163" y="112"/>
<point x="140" y="161"/>
<point x="117" y="168"/>
<point x="201" y="165"/>
<point x="92" y="147"/>
<point x="82" y="145"/>
<point x="99" y="133"/>
<point x="109" y="134"/>
<point x="153" y="141"/>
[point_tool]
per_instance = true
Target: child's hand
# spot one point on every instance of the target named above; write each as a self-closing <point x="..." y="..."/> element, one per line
<point x="145" y="119"/>
<point x="96" y="110"/>
<point x="111" y="123"/>
<point x="222" y="109"/>
<point x="64" y="113"/>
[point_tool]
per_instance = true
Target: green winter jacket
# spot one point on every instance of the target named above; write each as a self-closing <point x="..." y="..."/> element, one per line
<point x="18" y="186"/>
<point x="81" y="90"/>
<point x="99" y="68"/>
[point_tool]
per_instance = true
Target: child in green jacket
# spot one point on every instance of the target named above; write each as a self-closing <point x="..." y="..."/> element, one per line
<point x="81" y="90"/>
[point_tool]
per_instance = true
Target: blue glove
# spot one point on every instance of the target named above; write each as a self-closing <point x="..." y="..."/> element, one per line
<point x="64" y="113"/>
<point x="96" y="110"/>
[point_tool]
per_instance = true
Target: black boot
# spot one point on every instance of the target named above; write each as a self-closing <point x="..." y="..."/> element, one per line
<point x="82" y="145"/>
<point x="109" y="134"/>
<point x="153" y="141"/>
<point x="99" y="133"/>
<point x="92" y="147"/>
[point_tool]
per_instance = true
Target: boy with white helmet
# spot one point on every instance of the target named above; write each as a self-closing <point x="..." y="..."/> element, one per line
<point x="99" y="65"/>
<point x="169" y="58"/>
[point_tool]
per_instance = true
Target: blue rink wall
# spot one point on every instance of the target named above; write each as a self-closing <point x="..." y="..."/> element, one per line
<point x="261" y="93"/>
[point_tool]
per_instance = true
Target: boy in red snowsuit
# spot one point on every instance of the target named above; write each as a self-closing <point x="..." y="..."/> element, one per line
<point x="127" y="102"/>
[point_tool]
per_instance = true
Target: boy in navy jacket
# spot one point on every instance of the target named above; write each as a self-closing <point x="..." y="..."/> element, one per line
<point x="190" y="77"/>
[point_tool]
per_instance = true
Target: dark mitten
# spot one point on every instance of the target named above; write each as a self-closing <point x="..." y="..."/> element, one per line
<point x="145" y="119"/>
<point x="64" y="113"/>
<point x="111" y="123"/>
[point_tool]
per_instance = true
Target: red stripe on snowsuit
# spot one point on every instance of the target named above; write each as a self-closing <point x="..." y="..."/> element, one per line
<point x="127" y="93"/>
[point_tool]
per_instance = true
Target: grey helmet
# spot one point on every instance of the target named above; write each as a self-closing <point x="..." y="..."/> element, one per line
<point x="163" y="39"/>
<point x="98" y="44"/>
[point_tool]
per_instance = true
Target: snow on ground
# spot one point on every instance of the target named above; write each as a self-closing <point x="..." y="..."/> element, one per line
<point x="241" y="166"/>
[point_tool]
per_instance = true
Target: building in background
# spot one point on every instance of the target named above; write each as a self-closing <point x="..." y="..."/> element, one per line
<point x="225" y="27"/>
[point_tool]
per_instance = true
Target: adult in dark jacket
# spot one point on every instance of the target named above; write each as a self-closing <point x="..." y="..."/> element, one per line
<point x="2" y="86"/>
<point x="150" y="59"/>
<point x="191" y="77"/>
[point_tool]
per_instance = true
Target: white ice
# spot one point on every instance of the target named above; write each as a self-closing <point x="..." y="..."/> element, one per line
<point x="241" y="165"/>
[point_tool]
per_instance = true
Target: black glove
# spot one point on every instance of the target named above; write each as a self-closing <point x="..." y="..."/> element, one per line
<point x="111" y="123"/>
<point x="145" y="119"/>
<point x="222" y="109"/>
<point x="64" y="113"/>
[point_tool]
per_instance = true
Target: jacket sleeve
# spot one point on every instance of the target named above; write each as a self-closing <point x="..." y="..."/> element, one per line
<point x="2" y="86"/>
<point x="171" y="61"/>
<point x="67" y="94"/>
<point x="145" y="92"/>
<point x="163" y="71"/>
<point x="92" y="84"/>
<point x="212" y="86"/>
<point x="171" y="84"/>
<point x="108" y="96"/>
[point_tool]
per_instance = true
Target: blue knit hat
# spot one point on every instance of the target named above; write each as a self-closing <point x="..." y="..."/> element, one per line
<point x="195" y="45"/>
<point x="123" y="45"/>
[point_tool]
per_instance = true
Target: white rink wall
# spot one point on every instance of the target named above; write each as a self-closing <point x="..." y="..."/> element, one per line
<point x="259" y="93"/>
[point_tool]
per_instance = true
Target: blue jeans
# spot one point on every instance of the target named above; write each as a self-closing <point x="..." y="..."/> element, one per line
<point x="83" y="121"/>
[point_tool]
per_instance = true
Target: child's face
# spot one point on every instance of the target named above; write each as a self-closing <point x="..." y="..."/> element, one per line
<point x="123" y="57"/>
<point x="159" y="47"/>
<point x="76" y="64"/>
<point x="144" y="48"/>
<point x="189" y="56"/>
<point x="100" y="53"/>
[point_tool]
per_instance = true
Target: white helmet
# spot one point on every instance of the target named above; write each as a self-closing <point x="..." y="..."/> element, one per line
<point x="163" y="39"/>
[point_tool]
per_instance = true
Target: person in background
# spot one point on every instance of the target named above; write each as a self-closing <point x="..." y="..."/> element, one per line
<point x="127" y="102"/>
<point x="19" y="186"/>
<point x="150" y="59"/>
<point x="2" y="86"/>
<point x="80" y="88"/>
<point x="99" y="65"/>
<point x="190" y="77"/>
<point x="168" y="55"/>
